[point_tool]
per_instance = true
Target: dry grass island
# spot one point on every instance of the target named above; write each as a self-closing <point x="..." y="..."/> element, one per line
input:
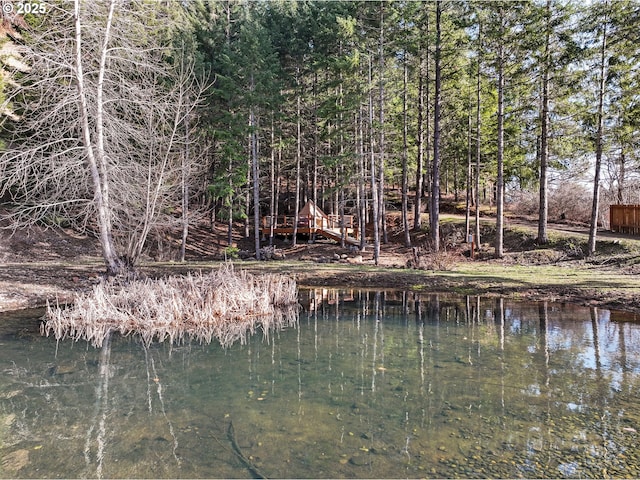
<point x="222" y="305"/>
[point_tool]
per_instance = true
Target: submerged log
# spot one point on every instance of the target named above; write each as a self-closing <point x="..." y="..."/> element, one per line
<point x="231" y="435"/>
<point x="224" y="305"/>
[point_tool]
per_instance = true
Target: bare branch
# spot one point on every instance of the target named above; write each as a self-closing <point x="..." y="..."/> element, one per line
<point x="102" y="135"/>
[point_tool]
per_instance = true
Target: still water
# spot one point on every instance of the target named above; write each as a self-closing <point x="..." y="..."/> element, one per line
<point x="369" y="385"/>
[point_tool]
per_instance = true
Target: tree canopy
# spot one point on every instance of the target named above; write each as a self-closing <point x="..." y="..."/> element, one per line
<point x="360" y="106"/>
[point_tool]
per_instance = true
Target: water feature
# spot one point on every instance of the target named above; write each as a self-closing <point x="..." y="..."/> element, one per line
<point x="370" y="384"/>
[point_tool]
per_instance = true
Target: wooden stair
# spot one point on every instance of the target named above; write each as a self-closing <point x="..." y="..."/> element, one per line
<point x="337" y="236"/>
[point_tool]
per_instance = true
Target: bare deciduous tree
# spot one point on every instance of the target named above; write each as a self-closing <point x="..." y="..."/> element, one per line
<point x="102" y="138"/>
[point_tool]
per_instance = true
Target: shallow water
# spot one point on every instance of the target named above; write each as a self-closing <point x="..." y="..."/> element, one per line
<point x="370" y="385"/>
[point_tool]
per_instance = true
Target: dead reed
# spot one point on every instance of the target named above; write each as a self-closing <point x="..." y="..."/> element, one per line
<point x="222" y="305"/>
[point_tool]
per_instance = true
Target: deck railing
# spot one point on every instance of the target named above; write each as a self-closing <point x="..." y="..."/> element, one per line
<point x="625" y="219"/>
<point x="309" y="221"/>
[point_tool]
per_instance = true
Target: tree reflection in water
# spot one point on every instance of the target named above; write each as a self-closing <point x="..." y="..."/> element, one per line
<point x="370" y="384"/>
<point x="97" y="426"/>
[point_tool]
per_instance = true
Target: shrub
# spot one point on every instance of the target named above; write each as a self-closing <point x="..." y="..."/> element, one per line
<point x="423" y="258"/>
<point x="231" y="253"/>
<point x="570" y="203"/>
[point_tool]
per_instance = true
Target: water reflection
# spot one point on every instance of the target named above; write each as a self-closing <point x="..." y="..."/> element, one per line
<point x="371" y="384"/>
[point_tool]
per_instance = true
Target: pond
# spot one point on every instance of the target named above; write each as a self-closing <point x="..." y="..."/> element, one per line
<point x="369" y="385"/>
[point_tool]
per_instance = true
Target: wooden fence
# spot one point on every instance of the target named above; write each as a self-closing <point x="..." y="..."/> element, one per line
<point x="625" y="219"/>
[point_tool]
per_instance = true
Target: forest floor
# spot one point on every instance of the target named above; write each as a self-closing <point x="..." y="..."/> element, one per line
<point x="43" y="265"/>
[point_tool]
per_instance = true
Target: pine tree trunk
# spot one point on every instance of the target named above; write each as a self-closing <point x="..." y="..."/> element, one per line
<point x="247" y="198"/>
<point x="622" y="174"/>
<point x="417" y="210"/>
<point x="544" y="136"/>
<point x="341" y="141"/>
<point x="230" y="219"/>
<point x="420" y="141"/>
<point x="298" y="162"/>
<point x="476" y="236"/>
<point x="273" y="197"/>
<point x="255" y="173"/>
<point x="434" y="213"/>
<point x="499" y="240"/>
<point x="405" y="154"/>
<point x="593" y="228"/>
<point x="374" y="183"/>
<point x="272" y="181"/>
<point x="316" y="142"/>
<point x="362" y="197"/>
<point x="381" y="111"/>
<point x="469" y="193"/>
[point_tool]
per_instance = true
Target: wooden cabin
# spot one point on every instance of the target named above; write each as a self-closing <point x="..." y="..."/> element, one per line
<point x="313" y="221"/>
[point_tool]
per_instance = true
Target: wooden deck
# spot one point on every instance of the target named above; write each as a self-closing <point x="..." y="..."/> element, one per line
<point x="326" y="226"/>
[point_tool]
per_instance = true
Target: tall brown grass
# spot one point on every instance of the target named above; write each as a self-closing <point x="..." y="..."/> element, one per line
<point x="222" y="305"/>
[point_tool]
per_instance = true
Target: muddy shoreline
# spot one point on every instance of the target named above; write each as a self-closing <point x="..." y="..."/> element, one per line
<point x="29" y="285"/>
